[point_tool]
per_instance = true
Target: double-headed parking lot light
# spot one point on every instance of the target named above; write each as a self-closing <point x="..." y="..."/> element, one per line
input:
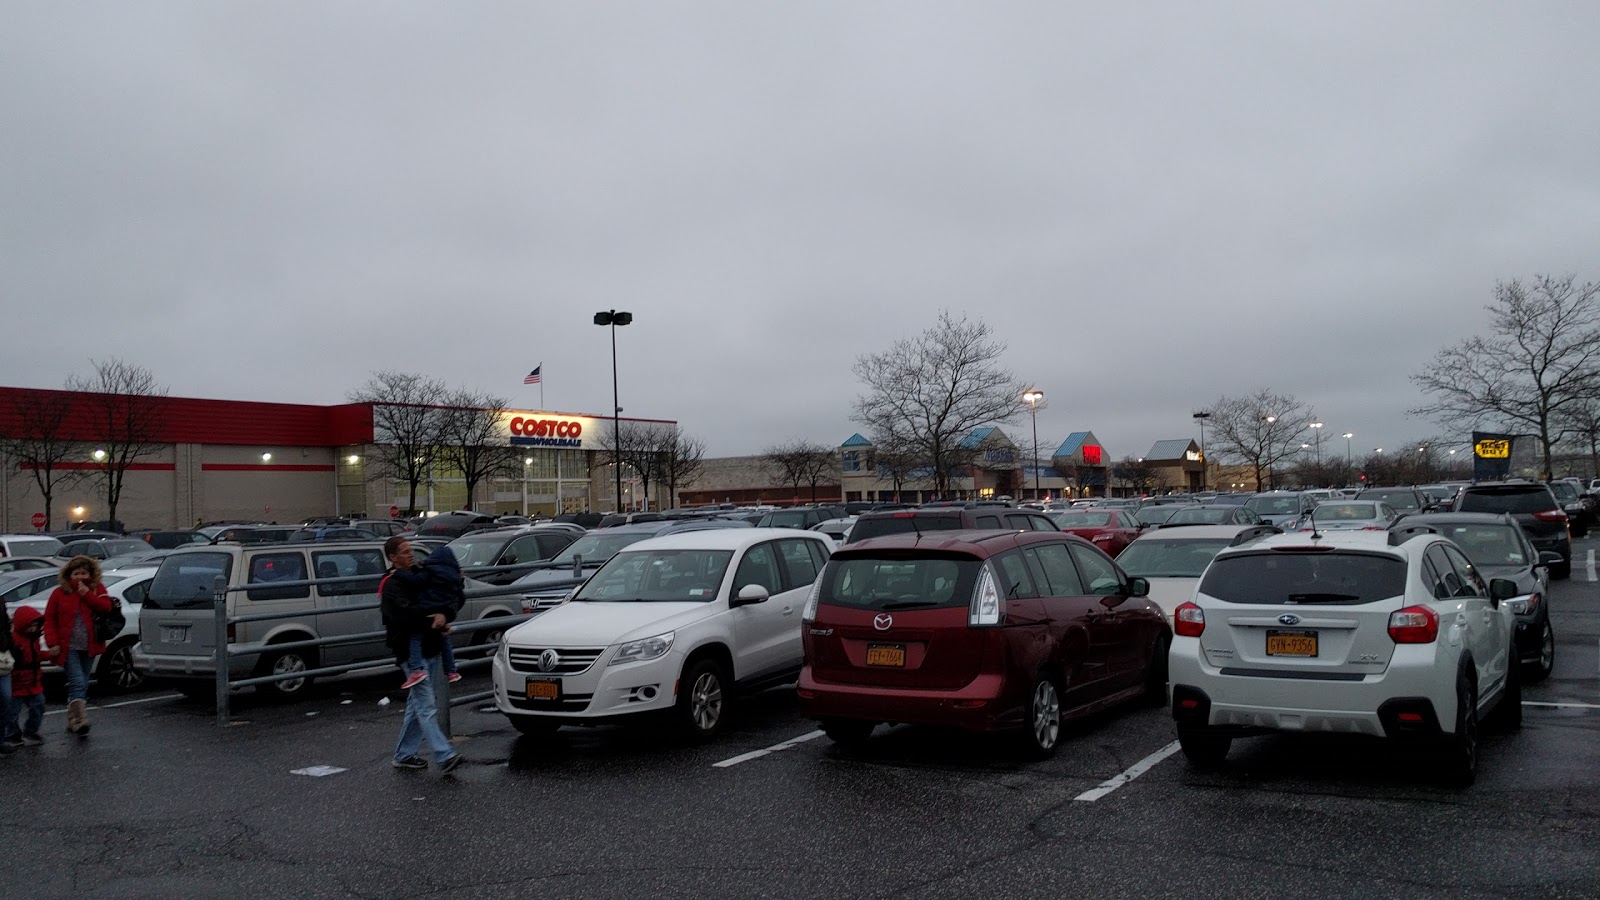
<point x="615" y="318"/>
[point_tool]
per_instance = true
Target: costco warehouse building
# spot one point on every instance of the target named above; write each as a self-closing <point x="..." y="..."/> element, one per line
<point x="222" y="460"/>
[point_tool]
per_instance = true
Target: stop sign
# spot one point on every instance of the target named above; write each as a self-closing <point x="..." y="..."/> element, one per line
<point x="394" y="512"/>
<point x="37" y="520"/>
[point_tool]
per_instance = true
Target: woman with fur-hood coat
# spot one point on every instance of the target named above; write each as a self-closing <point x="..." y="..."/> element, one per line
<point x="69" y="632"/>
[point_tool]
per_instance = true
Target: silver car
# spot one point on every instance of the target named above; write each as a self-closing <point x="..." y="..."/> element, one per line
<point x="1346" y="515"/>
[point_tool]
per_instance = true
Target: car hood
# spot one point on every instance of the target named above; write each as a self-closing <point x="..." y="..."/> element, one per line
<point x="1522" y="575"/>
<point x="1276" y="518"/>
<point x="584" y="624"/>
<point x="549" y="576"/>
<point x="1169" y="593"/>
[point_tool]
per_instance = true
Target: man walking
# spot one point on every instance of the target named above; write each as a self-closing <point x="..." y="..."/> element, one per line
<point x="403" y="619"/>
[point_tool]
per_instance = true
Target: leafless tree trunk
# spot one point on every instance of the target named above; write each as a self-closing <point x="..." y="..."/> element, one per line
<point x="1540" y="363"/>
<point x="640" y="444"/>
<point x="36" y="443"/>
<point x="406" y="425"/>
<point x="682" y="458"/>
<point x="471" y="440"/>
<point x="897" y="462"/>
<point x="798" y="462"/>
<point x="1259" y="430"/>
<point x="1135" y="473"/>
<point x="931" y="391"/>
<point x="1583" y="421"/>
<point x="123" y="412"/>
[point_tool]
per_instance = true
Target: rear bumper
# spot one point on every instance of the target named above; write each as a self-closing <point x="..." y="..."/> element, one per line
<point x="183" y="666"/>
<point x="979" y="705"/>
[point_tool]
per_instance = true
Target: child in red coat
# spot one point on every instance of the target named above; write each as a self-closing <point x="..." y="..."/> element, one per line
<point x="27" y="689"/>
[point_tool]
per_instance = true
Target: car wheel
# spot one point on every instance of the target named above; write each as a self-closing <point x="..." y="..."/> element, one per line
<point x="1541" y="668"/>
<point x="1042" y="730"/>
<point x="1155" y="674"/>
<point x="286" y="662"/>
<point x="488" y="636"/>
<point x="528" y="726"/>
<point x="847" y="733"/>
<point x="1461" y="749"/>
<point x="1507" y="714"/>
<point x="114" y="673"/>
<point x="702" y="699"/>
<point x="1204" y="749"/>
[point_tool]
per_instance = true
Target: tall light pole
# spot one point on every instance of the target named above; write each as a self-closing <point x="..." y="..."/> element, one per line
<point x="614" y="318"/>
<point x="1317" y="430"/>
<point x="1272" y="482"/>
<point x="1201" y="417"/>
<point x="1347" y="436"/>
<point x="1033" y="396"/>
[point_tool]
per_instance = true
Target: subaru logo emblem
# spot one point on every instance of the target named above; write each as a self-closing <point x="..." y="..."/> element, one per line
<point x="883" y="621"/>
<point x="549" y="659"/>
<point x="1289" y="619"/>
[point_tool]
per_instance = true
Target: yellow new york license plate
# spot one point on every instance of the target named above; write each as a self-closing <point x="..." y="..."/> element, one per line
<point x="543" y="689"/>
<point x="1291" y="643"/>
<point x="893" y="655"/>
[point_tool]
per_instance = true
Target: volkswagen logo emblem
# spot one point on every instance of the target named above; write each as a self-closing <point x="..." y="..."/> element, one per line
<point x="549" y="659"/>
<point x="883" y="622"/>
<point x="1289" y="619"/>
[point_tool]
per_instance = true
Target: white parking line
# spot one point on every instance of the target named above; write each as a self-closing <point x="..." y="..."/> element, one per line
<point x="775" y="748"/>
<point x="1134" y="771"/>
<point x="57" y="712"/>
<point x="1561" y="705"/>
<point x="1589" y="566"/>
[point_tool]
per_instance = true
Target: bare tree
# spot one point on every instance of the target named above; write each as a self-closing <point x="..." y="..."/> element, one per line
<point x="931" y="391"/>
<point x="124" y="415"/>
<point x="800" y="461"/>
<point x="897" y="462"/>
<point x="1540" y="363"/>
<point x="470" y="439"/>
<point x="682" y="458"/>
<point x="1582" y="421"/>
<point x="640" y="444"/>
<point x="1259" y="430"/>
<point x="406" y="423"/>
<point x="37" y="443"/>
<point x="1134" y="473"/>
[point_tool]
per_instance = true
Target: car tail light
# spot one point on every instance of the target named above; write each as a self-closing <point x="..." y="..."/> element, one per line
<point x="809" y="612"/>
<point x="1188" y="620"/>
<point x="1551" y="515"/>
<point x="986" y="609"/>
<point x="1414" y="625"/>
<point x="1373" y="528"/>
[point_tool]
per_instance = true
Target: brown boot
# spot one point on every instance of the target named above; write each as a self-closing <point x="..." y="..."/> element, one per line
<point x="78" y="717"/>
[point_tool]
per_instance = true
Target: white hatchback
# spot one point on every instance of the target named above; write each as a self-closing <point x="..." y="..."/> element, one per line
<point x="670" y="625"/>
<point x="1345" y="633"/>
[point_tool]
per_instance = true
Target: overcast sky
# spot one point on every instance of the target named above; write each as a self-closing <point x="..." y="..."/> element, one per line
<point x="1152" y="206"/>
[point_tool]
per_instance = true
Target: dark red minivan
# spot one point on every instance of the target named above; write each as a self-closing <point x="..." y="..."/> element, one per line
<point x="984" y="630"/>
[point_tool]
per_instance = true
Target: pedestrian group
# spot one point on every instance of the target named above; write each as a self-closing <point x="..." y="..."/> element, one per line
<point x="78" y="619"/>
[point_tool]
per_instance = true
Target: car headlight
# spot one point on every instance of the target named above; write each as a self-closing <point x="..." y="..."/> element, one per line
<point x="648" y="648"/>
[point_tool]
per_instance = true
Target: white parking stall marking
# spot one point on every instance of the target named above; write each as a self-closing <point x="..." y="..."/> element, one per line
<point x="55" y="712"/>
<point x="775" y="748"/>
<point x="1134" y="771"/>
<point x="1589" y="566"/>
<point x="318" y="771"/>
<point x="1563" y="705"/>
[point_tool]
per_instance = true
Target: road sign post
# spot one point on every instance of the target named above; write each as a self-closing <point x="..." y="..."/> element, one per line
<point x="38" y="521"/>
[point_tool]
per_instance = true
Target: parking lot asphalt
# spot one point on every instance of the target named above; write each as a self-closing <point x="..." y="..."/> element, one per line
<point x="160" y="801"/>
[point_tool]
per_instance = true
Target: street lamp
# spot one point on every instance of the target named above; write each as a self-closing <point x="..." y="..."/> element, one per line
<point x="1272" y="480"/>
<point x="1201" y="417"/>
<point x="1032" y="396"/>
<point x="1347" y="436"/>
<point x="99" y="455"/>
<point x="614" y="318"/>
<point x="1317" y="430"/>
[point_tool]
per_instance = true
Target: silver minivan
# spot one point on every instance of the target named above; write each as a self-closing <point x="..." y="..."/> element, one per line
<point x="177" y="634"/>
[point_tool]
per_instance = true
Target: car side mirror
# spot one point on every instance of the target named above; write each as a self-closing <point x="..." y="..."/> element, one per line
<point x="510" y="559"/>
<point x="1549" y="558"/>
<point x="1502" y="589"/>
<point x="750" y="593"/>
<point x="1138" y="587"/>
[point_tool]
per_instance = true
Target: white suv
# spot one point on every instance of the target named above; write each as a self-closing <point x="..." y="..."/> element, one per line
<point x="670" y="625"/>
<point x="1345" y="633"/>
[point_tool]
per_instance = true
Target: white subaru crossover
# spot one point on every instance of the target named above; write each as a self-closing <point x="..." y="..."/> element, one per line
<point x="670" y="626"/>
<point x="1391" y="635"/>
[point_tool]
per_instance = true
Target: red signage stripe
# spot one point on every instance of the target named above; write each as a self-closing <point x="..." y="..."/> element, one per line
<point x="92" y="466"/>
<point x="260" y="467"/>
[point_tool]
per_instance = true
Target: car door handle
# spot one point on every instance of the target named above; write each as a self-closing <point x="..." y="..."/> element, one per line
<point x="788" y="610"/>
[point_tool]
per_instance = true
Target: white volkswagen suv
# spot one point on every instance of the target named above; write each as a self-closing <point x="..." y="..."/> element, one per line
<point x="1345" y="633"/>
<point x="670" y="625"/>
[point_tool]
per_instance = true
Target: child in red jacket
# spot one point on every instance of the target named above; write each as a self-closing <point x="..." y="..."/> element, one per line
<point x="27" y="689"/>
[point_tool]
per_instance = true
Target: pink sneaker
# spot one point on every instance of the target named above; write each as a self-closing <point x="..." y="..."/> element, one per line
<point x="414" y="679"/>
<point x="453" y="677"/>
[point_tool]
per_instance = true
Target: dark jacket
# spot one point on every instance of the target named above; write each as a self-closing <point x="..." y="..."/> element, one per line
<point x="403" y="617"/>
<point x="24" y="648"/>
<point x="438" y="583"/>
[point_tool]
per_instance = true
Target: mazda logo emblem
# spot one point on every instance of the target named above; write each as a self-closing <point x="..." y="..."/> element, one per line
<point x="548" y="660"/>
<point x="1289" y="619"/>
<point x="883" y="622"/>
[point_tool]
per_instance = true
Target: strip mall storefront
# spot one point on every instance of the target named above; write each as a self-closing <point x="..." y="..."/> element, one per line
<point x="220" y="460"/>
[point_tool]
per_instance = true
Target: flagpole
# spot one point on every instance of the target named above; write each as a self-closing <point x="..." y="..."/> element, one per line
<point x="541" y="385"/>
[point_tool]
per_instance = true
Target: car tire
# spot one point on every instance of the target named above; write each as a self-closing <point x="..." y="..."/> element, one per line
<point x="1204" y="749"/>
<point x="284" y="662"/>
<point x="1460" y="753"/>
<point x="114" y="672"/>
<point x="1041" y="729"/>
<point x="703" y="699"/>
<point x="488" y="636"/>
<point x="1155" y="674"/>
<point x="528" y="726"/>
<point x="848" y="734"/>
<point x="1507" y="715"/>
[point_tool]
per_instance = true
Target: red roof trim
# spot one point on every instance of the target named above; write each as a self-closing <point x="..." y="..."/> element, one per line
<point x="94" y="466"/>
<point x="261" y="467"/>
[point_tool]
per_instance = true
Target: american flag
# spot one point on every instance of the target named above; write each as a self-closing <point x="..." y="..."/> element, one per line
<point x="534" y="377"/>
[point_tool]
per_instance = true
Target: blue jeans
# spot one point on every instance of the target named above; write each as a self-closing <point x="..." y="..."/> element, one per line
<point x="10" y="716"/>
<point x="34" y="705"/>
<point x="77" y="675"/>
<point x="422" y="720"/>
<point x="446" y="655"/>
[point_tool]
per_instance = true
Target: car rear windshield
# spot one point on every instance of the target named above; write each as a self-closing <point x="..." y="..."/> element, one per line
<point x="1322" y="577"/>
<point x="1488" y="545"/>
<point x="871" y="528"/>
<point x="1171" y="559"/>
<point x="891" y="583"/>
<point x="1199" y="515"/>
<point x="1563" y="490"/>
<point x="1080" y="519"/>
<point x="1397" y="499"/>
<point x="187" y="580"/>
<point x="597" y="548"/>
<point x="1511" y="500"/>
<point x="1346" y="512"/>
<point x="1274" y="506"/>
<point x="34" y="548"/>
<point x="478" y="551"/>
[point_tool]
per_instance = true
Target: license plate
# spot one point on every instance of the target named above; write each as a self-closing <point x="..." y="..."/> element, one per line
<point x="543" y="689"/>
<point x="1291" y="643"/>
<point x="892" y="655"/>
<point x="175" y="634"/>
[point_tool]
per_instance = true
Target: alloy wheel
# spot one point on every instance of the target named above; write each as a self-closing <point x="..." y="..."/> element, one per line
<point x="287" y="664"/>
<point x="1046" y="715"/>
<point x="1547" y="650"/>
<point x="705" y="705"/>
<point x="119" y="667"/>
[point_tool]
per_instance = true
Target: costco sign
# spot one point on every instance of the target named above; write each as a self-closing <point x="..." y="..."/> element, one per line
<point x="537" y="429"/>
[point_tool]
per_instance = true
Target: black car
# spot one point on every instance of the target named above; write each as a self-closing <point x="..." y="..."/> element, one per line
<point x="1533" y="506"/>
<point x="519" y="547"/>
<point x="1212" y="514"/>
<point x="1572" y="503"/>
<point x="1403" y="500"/>
<point x="104" y="548"/>
<point x="549" y="584"/>
<point x="1499" y="548"/>
<point x="254" y="534"/>
<point x="455" y="524"/>
<point x="948" y="518"/>
<point x="799" y="517"/>
<point x="323" y="534"/>
<point x="169" y="540"/>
